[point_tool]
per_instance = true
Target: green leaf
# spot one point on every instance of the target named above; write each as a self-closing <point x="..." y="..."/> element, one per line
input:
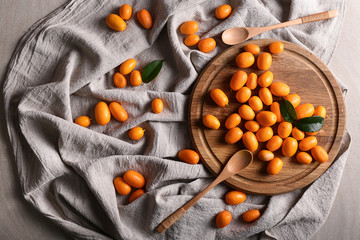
<point x="310" y="124"/>
<point x="288" y="111"/>
<point x="151" y="70"/>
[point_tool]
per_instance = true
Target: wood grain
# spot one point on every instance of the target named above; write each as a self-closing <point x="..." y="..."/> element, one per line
<point x="307" y="76"/>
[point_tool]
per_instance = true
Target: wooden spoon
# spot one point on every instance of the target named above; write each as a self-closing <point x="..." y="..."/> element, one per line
<point x="237" y="35"/>
<point x="237" y="162"/>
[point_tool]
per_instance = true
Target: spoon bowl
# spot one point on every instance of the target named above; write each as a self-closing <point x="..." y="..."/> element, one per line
<point x="239" y="161"/>
<point x="236" y="35"/>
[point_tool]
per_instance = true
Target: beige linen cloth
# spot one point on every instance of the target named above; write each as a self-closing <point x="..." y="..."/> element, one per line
<point x="64" y="65"/>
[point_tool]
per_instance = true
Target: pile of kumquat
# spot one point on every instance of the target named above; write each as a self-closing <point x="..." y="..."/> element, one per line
<point x="286" y="125"/>
<point x="130" y="179"/>
<point x="189" y="29"/>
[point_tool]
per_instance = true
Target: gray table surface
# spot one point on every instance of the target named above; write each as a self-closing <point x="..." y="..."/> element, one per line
<point x="18" y="220"/>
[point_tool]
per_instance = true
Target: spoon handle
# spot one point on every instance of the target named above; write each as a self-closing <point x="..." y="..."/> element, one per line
<point x="170" y="220"/>
<point x="320" y="16"/>
<point x="307" y="19"/>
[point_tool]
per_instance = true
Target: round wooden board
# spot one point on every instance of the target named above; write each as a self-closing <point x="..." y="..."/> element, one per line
<point x="307" y="76"/>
